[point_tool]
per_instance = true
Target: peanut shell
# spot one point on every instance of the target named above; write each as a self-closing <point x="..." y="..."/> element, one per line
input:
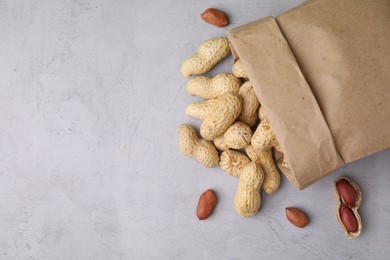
<point x="343" y="214"/>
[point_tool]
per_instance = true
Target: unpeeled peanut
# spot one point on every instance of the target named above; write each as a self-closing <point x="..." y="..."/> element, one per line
<point x="238" y="70"/>
<point x="264" y="138"/>
<point x="209" y="53"/>
<point x="247" y="199"/>
<point x="237" y="136"/>
<point x="233" y="162"/>
<point x="261" y="113"/>
<point x="265" y="159"/>
<point x="206" y="87"/>
<point x="220" y="143"/>
<point x="197" y="148"/>
<point x="221" y="116"/>
<point x="200" y="109"/>
<point x="250" y="104"/>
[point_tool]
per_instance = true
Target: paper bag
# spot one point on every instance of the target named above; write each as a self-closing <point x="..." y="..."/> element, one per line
<point x="322" y="73"/>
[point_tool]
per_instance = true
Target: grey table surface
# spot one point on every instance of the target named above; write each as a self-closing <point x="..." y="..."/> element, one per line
<point x="91" y="98"/>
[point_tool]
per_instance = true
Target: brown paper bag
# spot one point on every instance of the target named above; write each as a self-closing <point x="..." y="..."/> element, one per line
<point x="322" y="73"/>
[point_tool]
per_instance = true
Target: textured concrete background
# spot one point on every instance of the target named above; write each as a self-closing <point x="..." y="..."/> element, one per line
<point x="91" y="96"/>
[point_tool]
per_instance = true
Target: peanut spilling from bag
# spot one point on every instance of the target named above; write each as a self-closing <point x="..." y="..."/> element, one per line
<point x="229" y="116"/>
<point x="247" y="199"/>
<point x="237" y="136"/>
<point x="200" y="109"/>
<point x="221" y="116"/>
<point x="238" y="70"/>
<point x="193" y="146"/>
<point x="264" y="158"/>
<point x="250" y="104"/>
<point x="264" y="138"/>
<point x="209" y="53"/>
<point x="349" y="197"/>
<point x="206" y="87"/>
<point x="233" y="162"/>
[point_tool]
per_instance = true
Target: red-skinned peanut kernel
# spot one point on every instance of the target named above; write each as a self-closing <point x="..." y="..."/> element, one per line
<point x="347" y="192"/>
<point x="348" y="218"/>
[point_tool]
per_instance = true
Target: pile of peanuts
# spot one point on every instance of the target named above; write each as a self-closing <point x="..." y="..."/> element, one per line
<point x="235" y="132"/>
